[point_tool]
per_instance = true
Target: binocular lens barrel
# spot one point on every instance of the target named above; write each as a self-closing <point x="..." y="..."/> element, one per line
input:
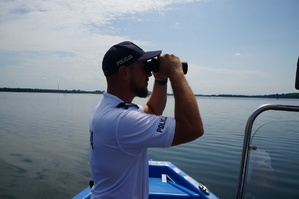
<point x="153" y="66"/>
<point x="185" y="67"/>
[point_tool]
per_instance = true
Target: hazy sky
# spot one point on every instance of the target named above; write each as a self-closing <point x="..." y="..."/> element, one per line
<point x="232" y="46"/>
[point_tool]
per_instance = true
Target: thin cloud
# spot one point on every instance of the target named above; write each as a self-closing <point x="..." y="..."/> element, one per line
<point x="50" y="25"/>
<point x="54" y="41"/>
<point x="211" y="80"/>
<point x="226" y="71"/>
<point x="175" y="25"/>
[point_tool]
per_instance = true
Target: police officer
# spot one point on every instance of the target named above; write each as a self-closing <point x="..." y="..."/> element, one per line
<point x="121" y="132"/>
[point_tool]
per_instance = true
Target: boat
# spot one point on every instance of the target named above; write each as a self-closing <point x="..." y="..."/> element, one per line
<point x="168" y="181"/>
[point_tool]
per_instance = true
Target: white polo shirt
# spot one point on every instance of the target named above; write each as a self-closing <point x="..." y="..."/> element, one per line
<point x="118" y="148"/>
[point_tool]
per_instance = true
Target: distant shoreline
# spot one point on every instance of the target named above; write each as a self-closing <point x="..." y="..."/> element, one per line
<point x="35" y="90"/>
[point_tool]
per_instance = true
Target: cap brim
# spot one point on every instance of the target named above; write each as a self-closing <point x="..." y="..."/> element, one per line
<point x="149" y="54"/>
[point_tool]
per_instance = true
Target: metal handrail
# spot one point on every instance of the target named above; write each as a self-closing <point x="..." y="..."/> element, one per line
<point x="248" y="129"/>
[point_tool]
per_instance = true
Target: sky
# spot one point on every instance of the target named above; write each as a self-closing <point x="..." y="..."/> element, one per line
<point x="247" y="47"/>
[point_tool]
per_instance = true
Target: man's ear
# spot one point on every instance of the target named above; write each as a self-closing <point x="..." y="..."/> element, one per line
<point x="124" y="72"/>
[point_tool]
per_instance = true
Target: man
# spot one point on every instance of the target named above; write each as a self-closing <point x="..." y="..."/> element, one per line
<point x="121" y="132"/>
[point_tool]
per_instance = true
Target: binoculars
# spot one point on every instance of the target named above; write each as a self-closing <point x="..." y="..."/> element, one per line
<point x="153" y="66"/>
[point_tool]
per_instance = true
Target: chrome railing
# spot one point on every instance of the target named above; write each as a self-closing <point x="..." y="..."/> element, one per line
<point x="247" y="136"/>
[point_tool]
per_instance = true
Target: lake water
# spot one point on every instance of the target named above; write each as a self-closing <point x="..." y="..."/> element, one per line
<point x="44" y="141"/>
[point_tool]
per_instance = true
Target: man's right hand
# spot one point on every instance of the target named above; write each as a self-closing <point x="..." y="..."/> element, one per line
<point x="170" y="66"/>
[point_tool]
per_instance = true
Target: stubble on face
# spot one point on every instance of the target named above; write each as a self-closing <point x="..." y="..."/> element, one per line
<point x="139" y="91"/>
<point x="138" y="87"/>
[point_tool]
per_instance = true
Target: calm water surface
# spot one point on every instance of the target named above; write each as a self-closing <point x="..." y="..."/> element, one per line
<point x="44" y="144"/>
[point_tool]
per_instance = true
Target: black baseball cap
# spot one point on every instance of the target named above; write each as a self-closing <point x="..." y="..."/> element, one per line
<point x="123" y="54"/>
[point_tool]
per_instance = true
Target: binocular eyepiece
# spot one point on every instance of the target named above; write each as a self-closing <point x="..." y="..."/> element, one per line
<point x="153" y="66"/>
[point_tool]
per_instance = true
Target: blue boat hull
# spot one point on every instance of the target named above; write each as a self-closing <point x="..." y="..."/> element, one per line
<point x="168" y="181"/>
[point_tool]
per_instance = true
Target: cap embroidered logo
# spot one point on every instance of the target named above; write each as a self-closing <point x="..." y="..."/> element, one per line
<point x="124" y="60"/>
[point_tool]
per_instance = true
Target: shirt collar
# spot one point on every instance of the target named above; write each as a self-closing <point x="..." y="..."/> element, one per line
<point x="111" y="99"/>
<point x="118" y="103"/>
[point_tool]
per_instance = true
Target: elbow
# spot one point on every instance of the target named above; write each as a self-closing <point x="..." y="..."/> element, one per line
<point x="198" y="132"/>
<point x="187" y="133"/>
<point x="201" y="131"/>
<point x="194" y="133"/>
<point x="196" y="128"/>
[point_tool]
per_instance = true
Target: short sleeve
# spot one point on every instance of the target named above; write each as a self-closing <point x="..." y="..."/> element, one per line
<point x="138" y="130"/>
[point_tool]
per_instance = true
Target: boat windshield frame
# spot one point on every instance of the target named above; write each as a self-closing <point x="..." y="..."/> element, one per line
<point x="247" y="136"/>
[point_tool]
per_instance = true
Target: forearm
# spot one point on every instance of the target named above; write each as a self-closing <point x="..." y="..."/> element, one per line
<point x="189" y="124"/>
<point x="157" y="102"/>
